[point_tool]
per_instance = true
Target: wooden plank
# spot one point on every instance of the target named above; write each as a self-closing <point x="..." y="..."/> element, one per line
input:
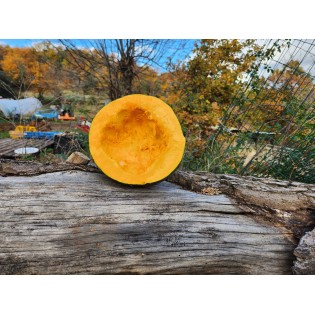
<point x="4" y="143"/>
<point x="11" y="146"/>
<point x="8" y="146"/>
<point x="84" y="223"/>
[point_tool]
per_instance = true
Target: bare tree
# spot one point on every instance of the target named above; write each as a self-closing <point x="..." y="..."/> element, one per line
<point x="6" y="88"/>
<point x="123" y="59"/>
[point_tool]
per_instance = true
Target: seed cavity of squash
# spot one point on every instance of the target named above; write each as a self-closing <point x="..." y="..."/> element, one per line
<point x="135" y="139"/>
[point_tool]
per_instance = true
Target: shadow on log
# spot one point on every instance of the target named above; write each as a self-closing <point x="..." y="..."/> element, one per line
<point x="79" y="222"/>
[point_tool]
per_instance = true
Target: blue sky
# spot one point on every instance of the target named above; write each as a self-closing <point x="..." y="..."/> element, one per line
<point x="180" y="54"/>
<point x="292" y="53"/>
<point x="19" y="42"/>
<point x="16" y="42"/>
<point x="30" y="42"/>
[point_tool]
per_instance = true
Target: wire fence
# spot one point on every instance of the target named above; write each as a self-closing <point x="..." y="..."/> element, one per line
<point x="269" y="129"/>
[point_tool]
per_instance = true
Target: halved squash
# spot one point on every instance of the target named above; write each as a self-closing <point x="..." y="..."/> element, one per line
<point x="136" y="140"/>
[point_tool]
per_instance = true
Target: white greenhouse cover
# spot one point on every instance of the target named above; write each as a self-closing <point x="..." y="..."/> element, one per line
<point x="26" y="106"/>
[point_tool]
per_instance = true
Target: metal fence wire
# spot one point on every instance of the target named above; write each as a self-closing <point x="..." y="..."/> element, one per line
<point x="269" y="129"/>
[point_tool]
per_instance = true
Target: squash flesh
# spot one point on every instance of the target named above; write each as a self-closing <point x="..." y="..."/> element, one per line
<point x="136" y="140"/>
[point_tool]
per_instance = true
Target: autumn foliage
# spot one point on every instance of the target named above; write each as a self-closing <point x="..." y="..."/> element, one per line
<point x="218" y="94"/>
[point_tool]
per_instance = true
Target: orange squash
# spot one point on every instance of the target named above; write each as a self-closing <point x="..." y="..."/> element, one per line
<point x="136" y="140"/>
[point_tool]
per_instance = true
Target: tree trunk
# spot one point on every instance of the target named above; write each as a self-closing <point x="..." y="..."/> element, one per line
<point x="76" y="222"/>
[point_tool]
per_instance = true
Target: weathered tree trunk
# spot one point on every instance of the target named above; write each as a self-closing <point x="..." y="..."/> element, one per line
<point x="76" y="222"/>
<point x="305" y="254"/>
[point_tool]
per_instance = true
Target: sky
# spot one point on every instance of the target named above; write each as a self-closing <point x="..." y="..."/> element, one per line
<point x="17" y="42"/>
<point x="301" y="49"/>
<point x="170" y="50"/>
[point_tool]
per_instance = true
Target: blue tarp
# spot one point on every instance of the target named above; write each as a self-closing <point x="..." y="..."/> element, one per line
<point x="41" y="134"/>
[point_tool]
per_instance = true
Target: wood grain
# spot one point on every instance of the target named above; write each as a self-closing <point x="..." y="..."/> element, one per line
<point x="76" y="222"/>
<point x="7" y="146"/>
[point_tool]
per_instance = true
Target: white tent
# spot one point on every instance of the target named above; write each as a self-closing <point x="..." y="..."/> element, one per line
<point x="23" y="107"/>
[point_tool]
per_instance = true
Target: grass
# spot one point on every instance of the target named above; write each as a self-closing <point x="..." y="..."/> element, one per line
<point x="4" y="134"/>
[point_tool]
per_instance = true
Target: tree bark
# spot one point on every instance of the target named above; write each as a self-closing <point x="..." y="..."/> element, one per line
<point x="305" y="254"/>
<point x="76" y="222"/>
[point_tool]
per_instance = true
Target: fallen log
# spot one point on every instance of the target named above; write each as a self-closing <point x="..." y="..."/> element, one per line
<point x="76" y="222"/>
<point x="305" y="254"/>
